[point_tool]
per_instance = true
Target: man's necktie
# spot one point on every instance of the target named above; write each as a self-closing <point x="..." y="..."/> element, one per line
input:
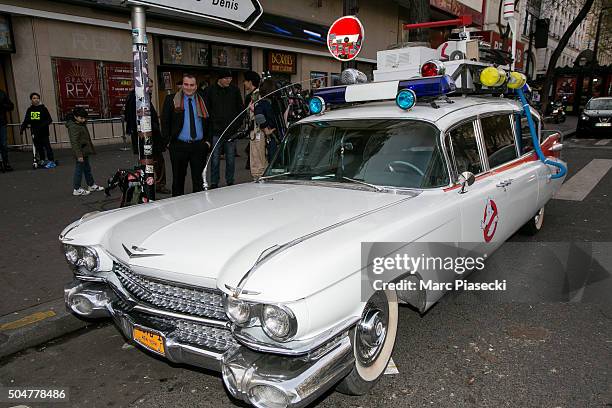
<point x="192" y="126"/>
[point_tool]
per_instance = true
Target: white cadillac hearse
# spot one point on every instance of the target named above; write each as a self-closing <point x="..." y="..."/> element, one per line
<point x="262" y="281"/>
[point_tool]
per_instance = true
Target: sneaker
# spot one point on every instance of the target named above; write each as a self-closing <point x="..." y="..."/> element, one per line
<point x="80" y="192"/>
<point x="95" y="187"/>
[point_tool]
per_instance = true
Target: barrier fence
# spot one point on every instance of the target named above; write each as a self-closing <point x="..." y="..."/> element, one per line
<point x="110" y="130"/>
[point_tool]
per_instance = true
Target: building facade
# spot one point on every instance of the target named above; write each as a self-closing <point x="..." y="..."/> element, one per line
<point x="75" y="53"/>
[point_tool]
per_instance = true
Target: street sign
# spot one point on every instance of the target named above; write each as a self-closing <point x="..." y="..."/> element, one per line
<point x="239" y="13"/>
<point x="345" y="38"/>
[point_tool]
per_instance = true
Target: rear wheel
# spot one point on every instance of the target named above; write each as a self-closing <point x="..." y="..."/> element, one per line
<point x="534" y="224"/>
<point x="373" y="342"/>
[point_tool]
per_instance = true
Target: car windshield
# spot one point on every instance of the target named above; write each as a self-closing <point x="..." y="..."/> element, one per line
<point x="600" y="104"/>
<point x="391" y="153"/>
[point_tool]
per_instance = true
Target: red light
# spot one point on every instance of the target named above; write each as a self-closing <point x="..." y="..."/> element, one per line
<point x="429" y="69"/>
<point x="432" y="68"/>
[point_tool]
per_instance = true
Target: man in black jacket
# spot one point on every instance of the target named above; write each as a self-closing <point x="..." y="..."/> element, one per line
<point x="5" y="106"/>
<point x="185" y="124"/>
<point x="159" y="144"/>
<point x="38" y="118"/>
<point x="224" y="103"/>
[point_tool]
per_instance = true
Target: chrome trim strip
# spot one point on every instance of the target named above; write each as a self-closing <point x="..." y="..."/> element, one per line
<point x="294" y="347"/>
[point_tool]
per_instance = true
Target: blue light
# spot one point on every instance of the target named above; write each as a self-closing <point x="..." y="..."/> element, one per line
<point x="316" y="105"/>
<point x="312" y="33"/>
<point x="429" y="86"/>
<point x="405" y="99"/>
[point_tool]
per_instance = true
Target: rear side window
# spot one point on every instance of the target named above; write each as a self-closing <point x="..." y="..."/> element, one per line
<point x="462" y="144"/>
<point x="499" y="139"/>
<point x="524" y="136"/>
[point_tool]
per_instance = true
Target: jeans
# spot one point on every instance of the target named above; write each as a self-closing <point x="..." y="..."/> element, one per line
<point x="79" y="169"/>
<point x="3" y="144"/>
<point x="229" y="148"/>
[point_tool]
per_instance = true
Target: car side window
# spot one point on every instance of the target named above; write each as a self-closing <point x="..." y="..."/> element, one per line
<point x="499" y="139"/>
<point x="462" y="143"/>
<point x="524" y="134"/>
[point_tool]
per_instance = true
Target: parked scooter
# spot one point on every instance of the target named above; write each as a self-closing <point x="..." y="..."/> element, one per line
<point x="558" y="112"/>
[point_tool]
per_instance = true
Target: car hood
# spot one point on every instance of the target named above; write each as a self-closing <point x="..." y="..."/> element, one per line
<point x="598" y="112"/>
<point x="196" y="238"/>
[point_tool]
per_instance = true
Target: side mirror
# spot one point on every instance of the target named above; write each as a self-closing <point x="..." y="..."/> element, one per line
<point x="466" y="179"/>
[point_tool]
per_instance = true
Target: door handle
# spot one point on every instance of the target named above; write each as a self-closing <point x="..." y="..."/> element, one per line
<point x="504" y="184"/>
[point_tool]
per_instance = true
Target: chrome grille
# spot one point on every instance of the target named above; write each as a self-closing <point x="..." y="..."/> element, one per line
<point x="184" y="331"/>
<point x="165" y="295"/>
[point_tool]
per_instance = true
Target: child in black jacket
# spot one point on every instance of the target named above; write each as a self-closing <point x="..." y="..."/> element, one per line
<point x="38" y="118"/>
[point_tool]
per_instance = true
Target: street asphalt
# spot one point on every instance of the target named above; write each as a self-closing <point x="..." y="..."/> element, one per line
<point x="545" y="342"/>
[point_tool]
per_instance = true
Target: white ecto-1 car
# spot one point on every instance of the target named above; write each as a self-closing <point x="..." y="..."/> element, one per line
<point x="262" y="281"/>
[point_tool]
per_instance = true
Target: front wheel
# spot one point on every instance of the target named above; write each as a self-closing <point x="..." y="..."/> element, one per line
<point x="534" y="225"/>
<point x="373" y="342"/>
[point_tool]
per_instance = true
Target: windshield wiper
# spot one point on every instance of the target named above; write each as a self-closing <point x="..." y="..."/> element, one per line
<point x="375" y="187"/>
<point x="287" y="173"/>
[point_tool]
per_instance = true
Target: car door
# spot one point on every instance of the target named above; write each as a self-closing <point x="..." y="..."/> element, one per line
<point x="482" y="204"/>
<point x="514" y="172"/>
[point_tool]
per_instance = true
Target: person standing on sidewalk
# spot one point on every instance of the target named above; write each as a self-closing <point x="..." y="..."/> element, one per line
<point x="159" y="143"/>
<point x="5" y="106"/>
<point x="225" y="104"/>
<point x="266" y="118"/>
<point x="257" y="138"/>
<point x="185" y="124"/>
<point x="82" y="147"/>
<point x="38" y="118"/>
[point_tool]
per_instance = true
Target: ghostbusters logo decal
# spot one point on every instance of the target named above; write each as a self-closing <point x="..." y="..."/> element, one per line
<point x="345" y="38"/>
<point x="489" y="220"/>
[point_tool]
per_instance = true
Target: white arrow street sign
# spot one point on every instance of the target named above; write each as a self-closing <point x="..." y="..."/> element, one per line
<point x="239" y="13"/>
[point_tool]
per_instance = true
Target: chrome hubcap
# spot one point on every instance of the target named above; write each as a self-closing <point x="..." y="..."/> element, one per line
<point x="371" y="334"/>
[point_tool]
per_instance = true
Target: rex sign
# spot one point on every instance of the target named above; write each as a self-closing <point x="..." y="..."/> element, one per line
<point x="239" y="13"/>
<point x="78" y="85"/>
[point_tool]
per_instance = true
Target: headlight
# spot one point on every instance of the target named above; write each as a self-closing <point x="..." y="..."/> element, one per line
<point x="71" y="254"/>
<point x="90" y="260"/>
<point x="239" y="312"/>
<point x="584" y="117"/>
<point x="278" y="322"/>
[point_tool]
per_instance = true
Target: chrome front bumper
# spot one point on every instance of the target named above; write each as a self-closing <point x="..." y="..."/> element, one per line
<point x="294" y="381"/>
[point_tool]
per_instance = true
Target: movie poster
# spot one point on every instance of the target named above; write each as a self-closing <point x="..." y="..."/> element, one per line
<point x="78" y="86"/>
<point x="119" y="80"/>
<point x="318" y="79"/>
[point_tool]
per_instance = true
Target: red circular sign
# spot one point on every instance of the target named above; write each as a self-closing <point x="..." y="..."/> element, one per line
<point x="345" y="38"/>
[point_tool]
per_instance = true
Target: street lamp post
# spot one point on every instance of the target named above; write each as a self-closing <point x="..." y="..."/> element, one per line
<point x="143" y="99"/>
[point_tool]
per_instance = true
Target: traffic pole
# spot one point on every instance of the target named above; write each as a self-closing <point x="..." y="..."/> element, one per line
<point x="143" y="100"/>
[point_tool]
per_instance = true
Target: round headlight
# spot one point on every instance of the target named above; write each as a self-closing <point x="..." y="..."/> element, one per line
<point x="239" y="312"/>
<point x="71" y="254"/>
<point x="278" y="323"/>
<point x="90" y="259"/>
<point x="267" y="396"/>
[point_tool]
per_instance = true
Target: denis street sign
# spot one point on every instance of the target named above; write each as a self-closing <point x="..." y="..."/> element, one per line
<point x="239" y="13"/>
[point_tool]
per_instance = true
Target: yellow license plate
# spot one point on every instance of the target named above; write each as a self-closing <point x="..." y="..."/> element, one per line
<point x="149" y="340"/>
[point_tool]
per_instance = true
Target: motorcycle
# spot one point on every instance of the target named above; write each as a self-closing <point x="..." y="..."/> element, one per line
<point x="558" y="112"/>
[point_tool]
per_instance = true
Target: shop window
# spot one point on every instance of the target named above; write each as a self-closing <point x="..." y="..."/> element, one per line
<point x="498" y="139"/>
<point x="462" y="145"/>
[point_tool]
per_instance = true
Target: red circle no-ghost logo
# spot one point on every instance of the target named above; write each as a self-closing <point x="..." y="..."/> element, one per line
<point x="490" y="220"/>
<point x="345" y="38"/>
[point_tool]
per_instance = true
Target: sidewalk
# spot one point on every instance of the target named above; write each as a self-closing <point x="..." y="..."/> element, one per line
<point x="36" y="206"/>
<point x="567" y="128"/>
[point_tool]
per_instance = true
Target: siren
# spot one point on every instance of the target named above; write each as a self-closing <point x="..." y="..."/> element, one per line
<point x="493" y="77"/>
<point x="432" y="68"/>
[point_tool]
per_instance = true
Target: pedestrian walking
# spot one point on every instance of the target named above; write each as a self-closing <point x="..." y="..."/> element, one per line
<point x="5" y="106"/>
<point x="159" y="143"/>
<point x="265" y="117"/>
<point x="38" y="118"/>
<point x="82" y="147"/>
<point x="257" y="138"/>
<point x="224" y="104"/>
<point x="185" y="124"/>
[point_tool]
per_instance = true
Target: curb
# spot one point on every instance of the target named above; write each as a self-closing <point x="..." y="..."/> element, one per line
<point x="36" y="325"/>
